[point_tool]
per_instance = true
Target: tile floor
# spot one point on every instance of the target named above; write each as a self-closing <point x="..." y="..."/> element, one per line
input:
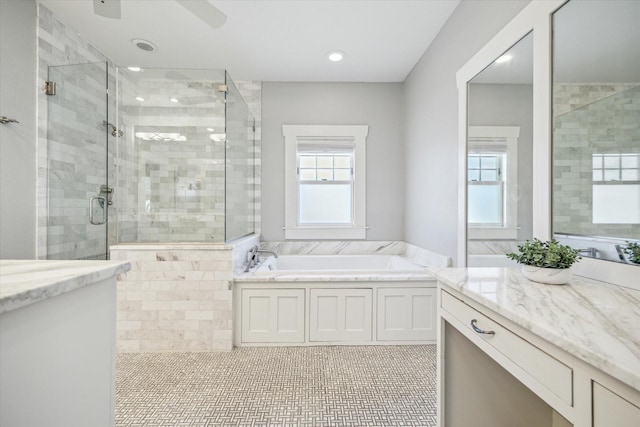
<point x="279" y="386"/>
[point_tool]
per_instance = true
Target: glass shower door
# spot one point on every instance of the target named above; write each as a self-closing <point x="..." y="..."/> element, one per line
<point x="78" y="129"/>
<point x="240" y="150"/>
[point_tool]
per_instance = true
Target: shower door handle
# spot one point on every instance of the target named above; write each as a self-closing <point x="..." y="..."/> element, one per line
<point x="101" y="201"/>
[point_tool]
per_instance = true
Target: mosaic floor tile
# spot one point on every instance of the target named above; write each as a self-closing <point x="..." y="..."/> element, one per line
<point x="279" y="386"/>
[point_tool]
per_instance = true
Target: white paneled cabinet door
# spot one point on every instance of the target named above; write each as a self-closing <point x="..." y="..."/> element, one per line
<point x="609" y="409"/>
<point x="337" y="315"/>
<point x="273" y="315"/>
<point x="406" y="314"/>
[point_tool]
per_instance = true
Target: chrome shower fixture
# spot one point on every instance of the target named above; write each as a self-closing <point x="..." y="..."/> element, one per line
<point x="114" y="130"/>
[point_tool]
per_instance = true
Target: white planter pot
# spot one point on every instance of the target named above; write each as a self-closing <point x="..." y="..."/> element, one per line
<point x="549" y="276"/>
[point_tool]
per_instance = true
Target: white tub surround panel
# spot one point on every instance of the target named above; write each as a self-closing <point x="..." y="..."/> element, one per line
<point x="574" y="346"/>
<point x="57" y="342"/>
<point x="177" y="297"/>
<point x="349" y="310"/>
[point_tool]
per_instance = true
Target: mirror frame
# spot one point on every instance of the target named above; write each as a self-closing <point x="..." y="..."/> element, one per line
<point x="536" y="17"/>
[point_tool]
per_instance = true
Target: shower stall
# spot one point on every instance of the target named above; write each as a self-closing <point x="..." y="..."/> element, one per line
<point x="148" y="156"/>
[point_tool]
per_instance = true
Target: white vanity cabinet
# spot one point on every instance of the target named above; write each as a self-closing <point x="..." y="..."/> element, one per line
<point x="610" y="409"/>
<point x="57" y="342"/>
<point x="562" y="355"/>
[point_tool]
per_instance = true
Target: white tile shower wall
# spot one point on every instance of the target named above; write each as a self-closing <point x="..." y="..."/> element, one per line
<point x="63" y="228"/>
<point x="178" y="196"/>
<point x="171" y="190"/>
<point x="175" y="298"/>
<point x="590" y="118"/>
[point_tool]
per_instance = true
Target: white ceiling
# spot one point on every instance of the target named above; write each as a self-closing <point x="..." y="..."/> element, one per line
<point x="269" y="40"/>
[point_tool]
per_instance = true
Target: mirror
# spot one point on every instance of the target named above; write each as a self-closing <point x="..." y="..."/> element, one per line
<point x="499" y="157"/>
<point x="596" y="127"/>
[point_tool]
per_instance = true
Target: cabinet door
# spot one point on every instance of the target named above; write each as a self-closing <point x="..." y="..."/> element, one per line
<point x="339" y="315"/>
<point x="406" y="314"/>
<point x="609" y="409"/>
<point x="272" y="315"/>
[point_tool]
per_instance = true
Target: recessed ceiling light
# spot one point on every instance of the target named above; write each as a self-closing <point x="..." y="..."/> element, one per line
<point x="173" y="100"/>
<point x="210" y="129"/>
<point x="135" y="69"/>
<point x="139" y="98"/>
<point x="503" y="59"/>
<point x="145" y="45"/>
<point x="335" y="56"/>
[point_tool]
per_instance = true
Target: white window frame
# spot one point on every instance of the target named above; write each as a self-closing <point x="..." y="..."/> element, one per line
<point x="500" y="136"/>
<point x="294" y="134"/>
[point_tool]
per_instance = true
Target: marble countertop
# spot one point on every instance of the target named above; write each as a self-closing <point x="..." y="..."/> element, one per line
<point x="24" y="282"/>
<point x="597" y="322"/>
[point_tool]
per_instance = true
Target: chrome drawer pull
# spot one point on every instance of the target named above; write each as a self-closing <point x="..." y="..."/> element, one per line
<point x="480" y="331"/>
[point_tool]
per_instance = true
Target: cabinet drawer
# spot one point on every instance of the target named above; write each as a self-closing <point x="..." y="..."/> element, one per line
<point x="549" y="372"/>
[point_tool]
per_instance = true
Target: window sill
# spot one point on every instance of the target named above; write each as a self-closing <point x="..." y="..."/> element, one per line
<point x="325" y="233"/>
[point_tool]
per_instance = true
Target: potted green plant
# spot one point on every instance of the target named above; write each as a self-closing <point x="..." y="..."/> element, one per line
<point x="546" y="262"/>
<point x="633" y="250"/>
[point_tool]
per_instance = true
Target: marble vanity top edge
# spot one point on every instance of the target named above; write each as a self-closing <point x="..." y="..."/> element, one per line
<point x="25" y="282"/>
<point x="622" y="370"/>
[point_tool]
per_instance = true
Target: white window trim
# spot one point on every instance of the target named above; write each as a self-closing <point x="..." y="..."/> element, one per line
<point x="500" y="135"/>
<point x="292" y="135"/>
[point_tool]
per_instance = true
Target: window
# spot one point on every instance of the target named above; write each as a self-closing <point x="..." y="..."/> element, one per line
<point x="486" y="189"/>
<point x="325" y="182"/>
<point x="616" y="167"/>
<point x="492" y="206"/>
<point x="325" y="185"/>
<point x="616" y="188"/>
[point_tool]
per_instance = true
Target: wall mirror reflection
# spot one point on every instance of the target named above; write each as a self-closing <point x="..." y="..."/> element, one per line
<point x="499" y="157"/>
<point x="596" y="127"/>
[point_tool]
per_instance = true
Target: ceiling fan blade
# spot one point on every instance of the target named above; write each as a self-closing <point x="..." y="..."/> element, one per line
<point x="204" y="10"/>
<point x="107" y="8"/>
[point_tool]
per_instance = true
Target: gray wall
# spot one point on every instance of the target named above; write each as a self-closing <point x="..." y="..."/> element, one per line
<point x="378" y="105"/>
<point x="431" y="122"/>
<point x="18" y="140"/>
